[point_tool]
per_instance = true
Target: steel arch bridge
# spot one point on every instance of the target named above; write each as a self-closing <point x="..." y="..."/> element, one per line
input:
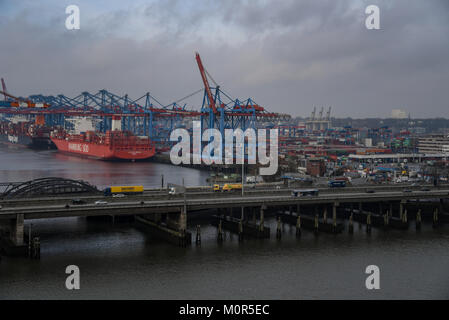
<point x="49" y="186"/>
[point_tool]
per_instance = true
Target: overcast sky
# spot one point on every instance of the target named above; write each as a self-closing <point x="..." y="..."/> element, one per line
<point x="289" y="56"/>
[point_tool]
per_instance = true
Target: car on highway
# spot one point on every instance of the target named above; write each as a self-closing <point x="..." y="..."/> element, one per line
<point x="370" y="191"/>
<point x="78" y="201"/>
<point x="425" y="189"/>
<point x="118" y="195"/>
<point x="337" y="184"/>
<point x="407" y="190"/>
<point x="100" y="202"/>
<point x="305" y="193"/>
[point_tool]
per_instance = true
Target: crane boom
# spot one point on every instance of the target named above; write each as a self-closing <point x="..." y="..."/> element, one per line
<point x="206" y="82"/>
<point x="29" y="103"/>
<point x="4" y="88"/>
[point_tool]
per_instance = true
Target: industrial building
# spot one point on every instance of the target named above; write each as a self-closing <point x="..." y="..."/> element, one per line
<point x="435" y="143"/>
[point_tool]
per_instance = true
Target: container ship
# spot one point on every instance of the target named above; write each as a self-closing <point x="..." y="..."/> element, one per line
<point x="25" y="134"/>
<point x="112" y="145"/>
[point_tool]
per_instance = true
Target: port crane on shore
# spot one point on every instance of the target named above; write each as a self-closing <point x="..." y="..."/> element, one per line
<point x="145" y="115"/>
<point x="222" y="112"/>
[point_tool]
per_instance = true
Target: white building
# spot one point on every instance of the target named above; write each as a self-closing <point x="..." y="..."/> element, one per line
<point x="398" y="114"/>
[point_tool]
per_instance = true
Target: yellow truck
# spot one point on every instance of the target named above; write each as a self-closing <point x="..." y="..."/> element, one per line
<point x="123" y="190"/>
<point x="228" y="187"/>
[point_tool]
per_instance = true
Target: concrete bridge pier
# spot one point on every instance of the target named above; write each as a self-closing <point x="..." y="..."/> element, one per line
<point x="401" y="210"/>
<point x="325" y="215"/>
<point x="279" y="229"/>
<point x="155" y="217"/>
<point x="220" y="232"/>
<point x="242" y="228"/>
<point x="418" y="220"/>
<point x="360" y="211"/>
<point x="435" y="218"/>
<point x="334" y="217"/>
<point x="174" y="230"/>
<point x="298" y="226"/>
<point x="386" y="220"/>
<point x="17" y="230"/>
<point x="12" y="236"/>
<point x="253" y="209"/>
<point x="368" y="223"/>
<point x="351" y="224"/>
<point x="261" y="221"/>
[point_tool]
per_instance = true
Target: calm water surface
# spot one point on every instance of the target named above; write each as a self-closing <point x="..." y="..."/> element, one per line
<point x="122" y="261"/>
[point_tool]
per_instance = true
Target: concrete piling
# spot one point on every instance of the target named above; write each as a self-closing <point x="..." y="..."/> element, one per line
<point x="36" y="249"/>
<point x="17" y="228"/>
<point x="351" y="224"/>
<point x="401" y="211"/>
<point x="360" y="211"/>
<point x="368" y="223"/>
<point x="334" y="218"/>
<point x="220" y="232"/>
<point x="404" y="216"/>
<point x="418" y="219"/>
<point x="198" y="235"/>
<point x="241" y="230"/>
<point x="386" y="220"/>
<point x="298" y="227"/>
<point x="435" y="218"/>
<point x="261" y="223"/>
<point x="279" y="229"/>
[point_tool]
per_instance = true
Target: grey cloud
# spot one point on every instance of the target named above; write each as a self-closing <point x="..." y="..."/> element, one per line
<point x="296" y="55"/>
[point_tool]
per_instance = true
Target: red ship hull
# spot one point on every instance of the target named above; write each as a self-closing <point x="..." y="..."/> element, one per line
<point x="126" y="150"/>
<point x="100" y="152"/>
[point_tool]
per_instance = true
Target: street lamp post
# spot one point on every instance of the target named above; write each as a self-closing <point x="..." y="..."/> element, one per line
<point x="243" y="173"/>
<point x="243" y="164"/>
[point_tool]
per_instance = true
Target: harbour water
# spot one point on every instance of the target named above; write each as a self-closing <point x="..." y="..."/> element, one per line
<point x="122" y="261"/>
<point x="22" y="164"/>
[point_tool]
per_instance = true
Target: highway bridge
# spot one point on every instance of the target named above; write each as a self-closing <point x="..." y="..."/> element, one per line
<point x="155" y="205"/>
<point x="211" y="201"/>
